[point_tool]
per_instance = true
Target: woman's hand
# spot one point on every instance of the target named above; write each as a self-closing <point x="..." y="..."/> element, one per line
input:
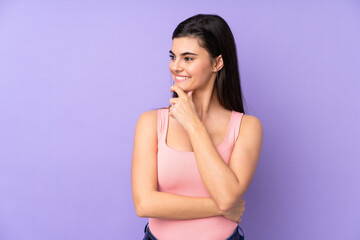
<point x="183" y="108"/>
<point x="236" y="212"/>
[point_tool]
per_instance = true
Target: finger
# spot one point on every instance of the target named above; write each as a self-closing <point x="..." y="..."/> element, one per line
<point x="178" y="90"/>
<point x="170" y="113"/>
<point x="173" y="101"/>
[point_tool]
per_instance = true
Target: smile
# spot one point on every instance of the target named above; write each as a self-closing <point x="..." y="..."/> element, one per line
<point x="178" y="78"/>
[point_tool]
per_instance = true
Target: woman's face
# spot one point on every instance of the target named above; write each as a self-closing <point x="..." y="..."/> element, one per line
<point x="190" y="64"/>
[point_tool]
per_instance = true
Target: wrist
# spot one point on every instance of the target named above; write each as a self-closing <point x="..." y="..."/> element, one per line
<point x="194" y="126"/>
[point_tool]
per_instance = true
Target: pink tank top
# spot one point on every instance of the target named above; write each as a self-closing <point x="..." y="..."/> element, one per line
<point x="178" y="174"/>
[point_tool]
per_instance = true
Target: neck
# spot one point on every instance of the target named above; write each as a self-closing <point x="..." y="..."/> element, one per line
<point x="206" y="101"/>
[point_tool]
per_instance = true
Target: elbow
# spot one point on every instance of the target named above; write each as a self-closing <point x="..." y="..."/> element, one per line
<point x="230" y="202"/>
<point x="226" y="206"/>
<point x="143" y="205"/>
<point x="140" y="209"/>
<point x="225" y="203"/>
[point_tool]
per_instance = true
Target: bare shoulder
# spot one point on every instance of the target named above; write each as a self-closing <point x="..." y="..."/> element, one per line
<point x="250" y="121"/>
<point x="251" y="128"/>
<point x="147" y="118"/>
<point x="146" y="129"/>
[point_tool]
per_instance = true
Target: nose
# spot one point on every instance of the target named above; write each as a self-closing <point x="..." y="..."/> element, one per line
<point x="176" y="66"/>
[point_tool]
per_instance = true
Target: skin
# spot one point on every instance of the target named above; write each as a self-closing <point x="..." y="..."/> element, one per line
<point x="197" y="123"/>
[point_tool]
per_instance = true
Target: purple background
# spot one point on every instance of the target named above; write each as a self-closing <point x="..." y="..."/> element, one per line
<point x="76" y="75"/>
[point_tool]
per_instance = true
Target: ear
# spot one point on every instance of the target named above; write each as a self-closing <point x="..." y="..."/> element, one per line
<point x="218" y="64"/>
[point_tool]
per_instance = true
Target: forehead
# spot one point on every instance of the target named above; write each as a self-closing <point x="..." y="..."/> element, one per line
<point x="187" y="44"/>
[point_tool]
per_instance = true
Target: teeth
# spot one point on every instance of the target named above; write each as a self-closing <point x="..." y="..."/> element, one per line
<point x="181" y="78"/>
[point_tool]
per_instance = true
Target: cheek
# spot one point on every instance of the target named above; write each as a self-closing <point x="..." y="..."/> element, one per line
<point x="201" y="70"/>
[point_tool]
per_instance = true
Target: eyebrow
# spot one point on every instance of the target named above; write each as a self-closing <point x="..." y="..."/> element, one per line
<point x="185" y="53"/>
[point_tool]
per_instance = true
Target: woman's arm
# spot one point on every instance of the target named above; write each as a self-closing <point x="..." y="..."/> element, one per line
<point x="173" y="206"/>
<point x="228" y="183"/>
<point x="147" y="200"/>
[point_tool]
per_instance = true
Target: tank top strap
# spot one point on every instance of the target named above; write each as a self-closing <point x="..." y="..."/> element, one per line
<point x="234" y="127"/>
<point x="161" y="123"/>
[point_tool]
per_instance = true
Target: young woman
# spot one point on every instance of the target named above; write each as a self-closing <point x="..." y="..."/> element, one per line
<point x="194" y="160"/>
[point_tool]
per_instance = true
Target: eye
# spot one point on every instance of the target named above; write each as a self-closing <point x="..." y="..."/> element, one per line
<point x="172" y="57"/>
<point x="188" y="59"/>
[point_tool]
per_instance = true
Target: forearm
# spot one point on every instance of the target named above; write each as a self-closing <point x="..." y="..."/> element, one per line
<point x="172" y="206"/>
<point x="219" y="179"/>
